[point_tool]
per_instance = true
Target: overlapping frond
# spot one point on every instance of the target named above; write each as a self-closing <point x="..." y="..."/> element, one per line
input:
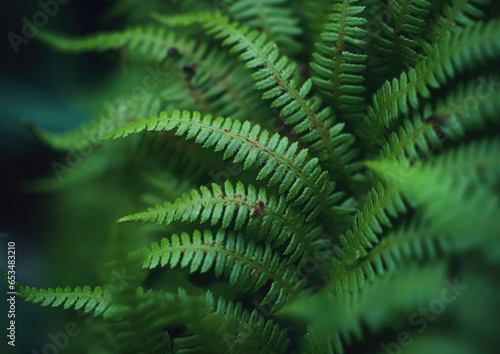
<point x="278" y="78"/>
<point x="400" y="38"/>
<point x="153" y="326"/>
<point x="240" y="330"/>
<point x="396" y="248"/>
<point x="337" y="320"/>
<point x="415" y="242"/>
<point x="414" y="139"/>
<point x="455" y="175"/>
<point x="299" y="177"/>
<point x="266" y="334"/>
<point x="141" y="329"/>
<point x="86" y="299"/>
<point x="469" y="107"/>
<point x="381" y="203"/>
<point x="441" y="185"/>
<point x="339" y="63"/>
<point x="451" y="15"/>
<point x="238" y="207"/>
<point x="269" y="17"/>
<point x="247" y="265"/>
<point x="464" y="49"/>
<point x="144" y="42"/>
<point x="218" y="84"/>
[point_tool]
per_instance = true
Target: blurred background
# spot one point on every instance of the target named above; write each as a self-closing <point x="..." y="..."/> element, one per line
<point x="39" y="85"/>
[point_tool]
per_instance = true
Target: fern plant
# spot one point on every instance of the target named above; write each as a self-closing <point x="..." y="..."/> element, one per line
<point x="364" y="160"/>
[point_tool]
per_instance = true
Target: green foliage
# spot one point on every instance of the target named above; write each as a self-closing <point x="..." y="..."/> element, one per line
<point x="400" y="39"/>
<point x="271" y="18"/>
<point x="267" y="218"/>
<point x="464" y="49"/>
<point x="337" y="216"/>
<point x="97" y="300"/>
<point x="277" y="76"/>
<point x="298" y="176"/>
<point x="338" y="67"/>
<point x="247" y="266"/>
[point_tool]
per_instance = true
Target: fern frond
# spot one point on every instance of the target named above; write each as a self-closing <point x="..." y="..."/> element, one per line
<point x="240" y="331"/>
<point x="415" y="242"/>
<point x="394" y="249"/>
<point x="269" y="17"/>
<point x="297" y="175"/>
<point x="265" y="333"/>
<point x="97" y="300"/>
<point x="452" y="116"/>
<point x="339" y="64"/>
<point x="414" y="138"/>
<point x="270" y="218"/>
<point x="463" y="50"/>
<point x="340" y="319"/>
<point x="247" y="265"/>
<point x="313" y="18"/>
<point x="381" y="202"/>
<point x="454" y="14"/>
<point x="278" y="78"/>
<point x="460" y="116"/>
<point x="444" y="182"/>
<point x="144" y="42"/>
<point x="400" y="39"/>
<point x="223" y="85"/>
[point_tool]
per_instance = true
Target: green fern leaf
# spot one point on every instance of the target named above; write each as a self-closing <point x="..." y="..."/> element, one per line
<point x="401" y="39"/>
<point x="380" y="204"/>
<point x="247" y="265"/>
<point x="277" y="77"/>
<point x="270" y="218"/>
<point x="151" y="42"/>
<point x="443" y="182"/>
<point x="297" y="175"/>
<point x="270" y="17"/>
<point x="466" y="47"/>
<point x="452" y="15"/>
<point x="85" y="299"/>
<point x="338" y="66"/>
<point x="425" y="132"/>
<point x="337" y="319"/>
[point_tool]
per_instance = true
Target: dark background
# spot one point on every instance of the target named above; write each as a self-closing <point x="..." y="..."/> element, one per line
<point x="38" y="85"/>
